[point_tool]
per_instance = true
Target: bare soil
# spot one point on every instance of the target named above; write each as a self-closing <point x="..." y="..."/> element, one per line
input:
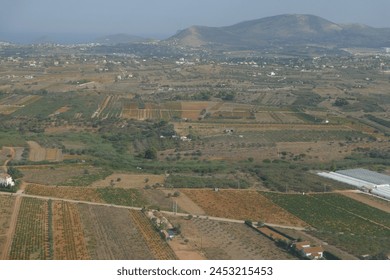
<point x="242" y="205"/>
<point x="213" y="240"/>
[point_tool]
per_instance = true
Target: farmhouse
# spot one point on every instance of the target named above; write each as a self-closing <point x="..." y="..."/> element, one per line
<point x="316" y="252"/>
<point x="363" y="179"/>
<point x="305" y="249"/>
<point x="6" y="180"/>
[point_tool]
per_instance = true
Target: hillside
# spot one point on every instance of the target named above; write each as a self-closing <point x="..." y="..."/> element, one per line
<point x="283" y="30"/>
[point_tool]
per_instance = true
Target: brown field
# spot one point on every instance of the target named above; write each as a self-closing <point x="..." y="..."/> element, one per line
<point x="242" y="205"/>
<point x="128" y="181"/>
<point x="158" y="199"/>
<point x="192" y="110"/>
<point x="186" y="204"/>
<point x="74" y="193"/>
<point x="152" y="111"/>
<point x="37" y="153"/>
<point x="58" y="174"/>
<point x="214" y="240"/>
<point x="112" y="239"/>
<point x="68" y="236"/>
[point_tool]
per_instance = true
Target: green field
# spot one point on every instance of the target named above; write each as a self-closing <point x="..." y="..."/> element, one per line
<point x="340" y="221"/>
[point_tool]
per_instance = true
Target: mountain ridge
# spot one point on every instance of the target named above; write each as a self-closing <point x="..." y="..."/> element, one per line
<point x="287" y="29"/>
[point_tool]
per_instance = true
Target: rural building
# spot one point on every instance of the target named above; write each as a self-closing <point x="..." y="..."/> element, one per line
<point x="316" y="252"/>
<point x="305" y="249"/>
<point x="365" y="180"/>
<point x="6" y="180"/>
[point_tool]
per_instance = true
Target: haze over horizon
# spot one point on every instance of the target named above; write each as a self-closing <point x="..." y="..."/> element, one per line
<point x="23" y="20"/>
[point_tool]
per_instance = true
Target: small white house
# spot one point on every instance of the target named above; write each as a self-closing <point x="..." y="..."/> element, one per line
<point x="6" y="181"/>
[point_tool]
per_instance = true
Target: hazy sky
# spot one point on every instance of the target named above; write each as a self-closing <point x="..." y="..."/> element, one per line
<point x="165" y="17"/>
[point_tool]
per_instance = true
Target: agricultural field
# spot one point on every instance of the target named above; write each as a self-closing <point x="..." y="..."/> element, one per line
<point x="372" y="201"/>
<point x="103" y="125"/>
<point x="31" y="240"/>
<point x="150" y="111"/>
<point x="37" y="153"/>
<point x="128" y="181"/>
<point x="109" y="195"/>
<point x="350" y="225"/>
<point x="74" y="193"/>
<point x="14" y="102"/>
<point x="113" y="239"/>
<point x="68" y="236"/>
<point x="242" y="205"/>
<point x="7" y="203"/>
<point x="215" y="240"/>
<point x="62" y="175"/>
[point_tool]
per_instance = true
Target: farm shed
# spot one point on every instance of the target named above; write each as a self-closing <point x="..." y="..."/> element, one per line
<point x="363" y="179"/>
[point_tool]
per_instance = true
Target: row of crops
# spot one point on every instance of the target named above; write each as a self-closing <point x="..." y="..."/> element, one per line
<point x="341" y="221"/>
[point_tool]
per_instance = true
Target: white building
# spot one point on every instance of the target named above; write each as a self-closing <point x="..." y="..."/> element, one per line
<point x="6" y="180"/>
<point x="365" y="180"/>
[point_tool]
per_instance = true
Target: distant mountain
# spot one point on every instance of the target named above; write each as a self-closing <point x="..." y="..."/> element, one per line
<point x="119" y="39"/>
<point x="283" y="30"/>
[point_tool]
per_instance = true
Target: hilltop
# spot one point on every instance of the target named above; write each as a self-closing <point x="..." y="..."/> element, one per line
<point x="283" y="30"/>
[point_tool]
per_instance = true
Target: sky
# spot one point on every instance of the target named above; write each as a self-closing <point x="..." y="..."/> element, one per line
<point x="163" y="18"/>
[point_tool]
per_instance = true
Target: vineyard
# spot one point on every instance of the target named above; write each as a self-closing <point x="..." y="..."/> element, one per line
<point x="6" y="207"/>
<point x="158" y="248"/>
<point x="31" y="240"/>
<point x="75" y="193"/>
<point x="68" y="236"/>
<point x="341" y="221"/>
<point x="112" y="234"/>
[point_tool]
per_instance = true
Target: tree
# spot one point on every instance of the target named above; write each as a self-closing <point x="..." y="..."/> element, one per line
<point x="150" y="153"/>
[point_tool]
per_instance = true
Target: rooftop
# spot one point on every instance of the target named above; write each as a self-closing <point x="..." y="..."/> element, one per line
<point x="366" y="175"/>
